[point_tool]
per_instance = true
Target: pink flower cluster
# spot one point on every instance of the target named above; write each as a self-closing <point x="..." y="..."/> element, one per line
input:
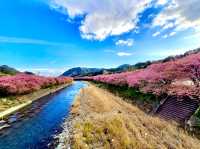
<point x="159" y="77"/>
<point x="23" y="83"/>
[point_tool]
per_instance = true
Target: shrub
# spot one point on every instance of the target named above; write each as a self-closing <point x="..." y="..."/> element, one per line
<point x="158" y="78"/>
<point x="23" y="83"/>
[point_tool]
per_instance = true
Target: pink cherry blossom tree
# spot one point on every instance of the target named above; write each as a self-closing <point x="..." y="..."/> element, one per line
<point x="23" y="83"/>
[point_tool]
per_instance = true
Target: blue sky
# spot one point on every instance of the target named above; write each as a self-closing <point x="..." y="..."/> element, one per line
<point x="51" y="36"/>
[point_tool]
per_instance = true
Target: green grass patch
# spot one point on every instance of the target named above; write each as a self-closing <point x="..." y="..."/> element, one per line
<point x="197" y="113"/>
<point x="196" y="118"/>
<point x="2" y="74"/>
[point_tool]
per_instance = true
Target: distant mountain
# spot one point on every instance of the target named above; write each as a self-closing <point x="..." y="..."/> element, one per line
<point x="28" y="73"/>
<point x="123" y="67"/>
<point x="6" y="70"/>
<point x="82" y="71"/>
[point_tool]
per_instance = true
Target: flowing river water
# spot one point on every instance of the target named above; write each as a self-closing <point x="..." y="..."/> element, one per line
<point x="35" y="126"/>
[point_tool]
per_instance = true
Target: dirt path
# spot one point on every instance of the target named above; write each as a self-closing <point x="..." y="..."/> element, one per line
<point x="102" y="120"/>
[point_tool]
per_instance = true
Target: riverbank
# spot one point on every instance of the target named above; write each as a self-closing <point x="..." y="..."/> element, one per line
<point x="100" y="119"/>
<point x="15" y="103"/>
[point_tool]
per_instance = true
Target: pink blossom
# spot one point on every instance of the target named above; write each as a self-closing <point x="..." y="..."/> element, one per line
<point x="23" y="83"/>
<point x="158" y="77"/>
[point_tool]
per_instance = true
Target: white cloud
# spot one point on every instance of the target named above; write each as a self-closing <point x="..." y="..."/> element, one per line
<point x="156" y="34"/>
<point x="124" y="54"/>
<point x="169" y="35"/>
<point x="172" y="33"/>
<point x="45" y="71"/>
<point x="103" y="18"/>
<point x="179" y="15"/>
<point x="128" y="42"/>
<point x="169" y="25"/>
<point x="165" y="36"/>
<point x="162" y="2"/>
<point x="17" y="40"/>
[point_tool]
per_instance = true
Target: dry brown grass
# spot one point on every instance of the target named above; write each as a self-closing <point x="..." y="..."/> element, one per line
<point x="105" y="121"/>
<point x="75" y="107"/>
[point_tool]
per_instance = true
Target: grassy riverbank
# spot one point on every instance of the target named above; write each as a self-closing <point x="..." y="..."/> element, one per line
<point x="13" y="103"/>
<point x="103" y="120"/>
<point x="146" y="102"/>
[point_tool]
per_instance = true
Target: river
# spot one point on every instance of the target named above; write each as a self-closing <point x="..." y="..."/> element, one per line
<point x="35" y="126"/>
